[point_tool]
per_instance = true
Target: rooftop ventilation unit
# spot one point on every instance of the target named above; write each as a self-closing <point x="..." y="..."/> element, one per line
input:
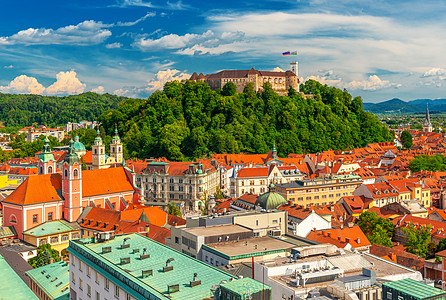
<point x="125" y="260"/>
<point x="106" y="250"/>
<point x="146" y="273"/>
<point x="195" y="282"/>
<point x="173" y="288"/>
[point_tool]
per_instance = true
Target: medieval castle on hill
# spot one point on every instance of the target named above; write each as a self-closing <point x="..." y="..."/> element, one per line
<point x="280" y="81"/>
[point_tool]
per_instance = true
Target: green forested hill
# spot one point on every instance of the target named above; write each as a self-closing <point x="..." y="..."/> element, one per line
<point x="188" y="120"/>
<point x="23" y="110"/>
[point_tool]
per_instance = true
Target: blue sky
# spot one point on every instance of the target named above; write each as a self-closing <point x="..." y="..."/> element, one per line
<point x="376" y="49"/>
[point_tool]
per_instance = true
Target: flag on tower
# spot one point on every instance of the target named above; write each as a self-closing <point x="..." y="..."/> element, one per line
<point x="286" y="53"/>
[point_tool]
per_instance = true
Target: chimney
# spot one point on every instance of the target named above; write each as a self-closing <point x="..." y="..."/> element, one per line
<point x="358" y="240"/>
<point x="328" y="233"/>
<point x="347" y="240"/>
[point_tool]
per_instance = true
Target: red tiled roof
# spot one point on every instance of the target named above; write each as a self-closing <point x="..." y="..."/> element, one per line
<point x="105" y="181"/>
<point x="398" y="256"/>
<point x="341" y="237"/>
<point x="37" y="189"/>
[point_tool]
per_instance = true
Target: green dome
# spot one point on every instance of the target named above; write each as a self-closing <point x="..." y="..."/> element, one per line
<point x="271" y="199"/>
<point x="78" y="146"/>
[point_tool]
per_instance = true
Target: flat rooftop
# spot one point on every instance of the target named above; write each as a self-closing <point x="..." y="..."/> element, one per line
<point x="11" y="285"/>
<point x="257" y="245"/>
<point x="54" y="279"/>
<point x="216" y="230"/>
<point x="130" y="273"/>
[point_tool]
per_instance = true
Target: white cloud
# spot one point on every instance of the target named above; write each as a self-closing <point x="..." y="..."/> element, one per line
<point x="113" y="45"/>
<point x="165" y="76"/>
<point x="126" y="24"/>
<point x="436" y="72"/>
<point x="157" y="83"/>
<point x="191" y="43"/>
<point x="99" y="90"/>
<point x="66" y="83"/>
<point x="126" y="3"/>
<point x="23" y="85"/>
<point x="8" y="67"/>
<point x="372" y="84"/>
<point x="278" y="69"/>
<point x="84" y="33"/>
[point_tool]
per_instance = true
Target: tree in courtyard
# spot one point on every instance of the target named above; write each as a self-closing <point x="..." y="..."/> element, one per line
<point x="377" y="230"/>
<point x="406" y="139"/>
<point x="45" y="255"/>
<point x="441" y="246"/>
<point x="418" y="240"/>
<point x="173" y="209"/>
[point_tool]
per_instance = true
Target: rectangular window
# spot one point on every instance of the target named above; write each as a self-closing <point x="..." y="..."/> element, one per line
<point x="116" y="291"/>
<point x="34" y="219"/>
<point x="127" y="297"/>
<point x="107" y="284"/>
<point x="172" y="196"/>
<point x="180" y="196"/>
<point x="98" y="296"/>
<point x="177" y="240"/>
<point x="97" y="277"/>
<point x="171" y="180"/>
<point x="88" y="290"/>
<point x="154" y="180"/>
<point x="200" y="189"/>
<point x="50" y="216"/>
<point x="251" y="182"/>
<point x="88" y="271"/>
<point x="180" y="180"/>
<point x="73" y="278"/>
<point x="81" y="283"/>
<point x="171" y="188"/>
<point x="80" y="265"/>
<point x="180" y="188"/>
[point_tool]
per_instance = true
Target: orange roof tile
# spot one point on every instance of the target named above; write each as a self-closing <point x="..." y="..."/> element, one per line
<point x="105" y="181"/>
<point x="37" y="189"/>
<point x="341" y="237"/>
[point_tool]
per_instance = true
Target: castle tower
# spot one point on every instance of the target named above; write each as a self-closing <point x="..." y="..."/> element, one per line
<point x="72" y="185"/>
<point x="98" y="155"/>
<point x="294" y="67"/>
<point x="116" y="147"/>
<point x="427" y="126"/>
<point x="46" y="163"/>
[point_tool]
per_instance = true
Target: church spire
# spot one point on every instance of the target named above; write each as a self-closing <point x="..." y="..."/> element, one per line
<point x="427" y="126"/>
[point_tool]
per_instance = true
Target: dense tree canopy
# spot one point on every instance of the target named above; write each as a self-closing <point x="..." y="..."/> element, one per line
<point x="428" y="163"/>
<point x="189" y="120"/>
<point x="24" y="110"/>
<point x="406" y="139"/>
<point x="418" y="240"/>
<point x="377" y="229"/>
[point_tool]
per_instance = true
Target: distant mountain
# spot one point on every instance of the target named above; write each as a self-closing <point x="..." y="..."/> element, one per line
<point x="399" y="106"/>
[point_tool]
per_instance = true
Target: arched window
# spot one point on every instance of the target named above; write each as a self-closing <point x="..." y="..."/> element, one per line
<point x="75" y="173"/>
<point x="102" y="151"/>
<point x="113" y="150"/>
<point x="66" y="173"/>
<point x="95" y="151"/>
<point x="50" y="169"/>
<point x="13" y="219"/>
<point x="41" y="170"/>
<point x="119" y="149"/>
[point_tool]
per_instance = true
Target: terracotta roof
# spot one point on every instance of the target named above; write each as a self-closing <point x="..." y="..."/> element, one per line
<point x="176" y="221"/>
<point x="105" y="181"/>
<point x="398" y="256"/>
<point x="37" y="189"/>
<point x="438" y="229"/>
<point x="253" y="172"/>
<point x="340" y="237"/>
<point x="23" y="171"/>
<point x="88" y="158"/>
<point x="154" y="214"/>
